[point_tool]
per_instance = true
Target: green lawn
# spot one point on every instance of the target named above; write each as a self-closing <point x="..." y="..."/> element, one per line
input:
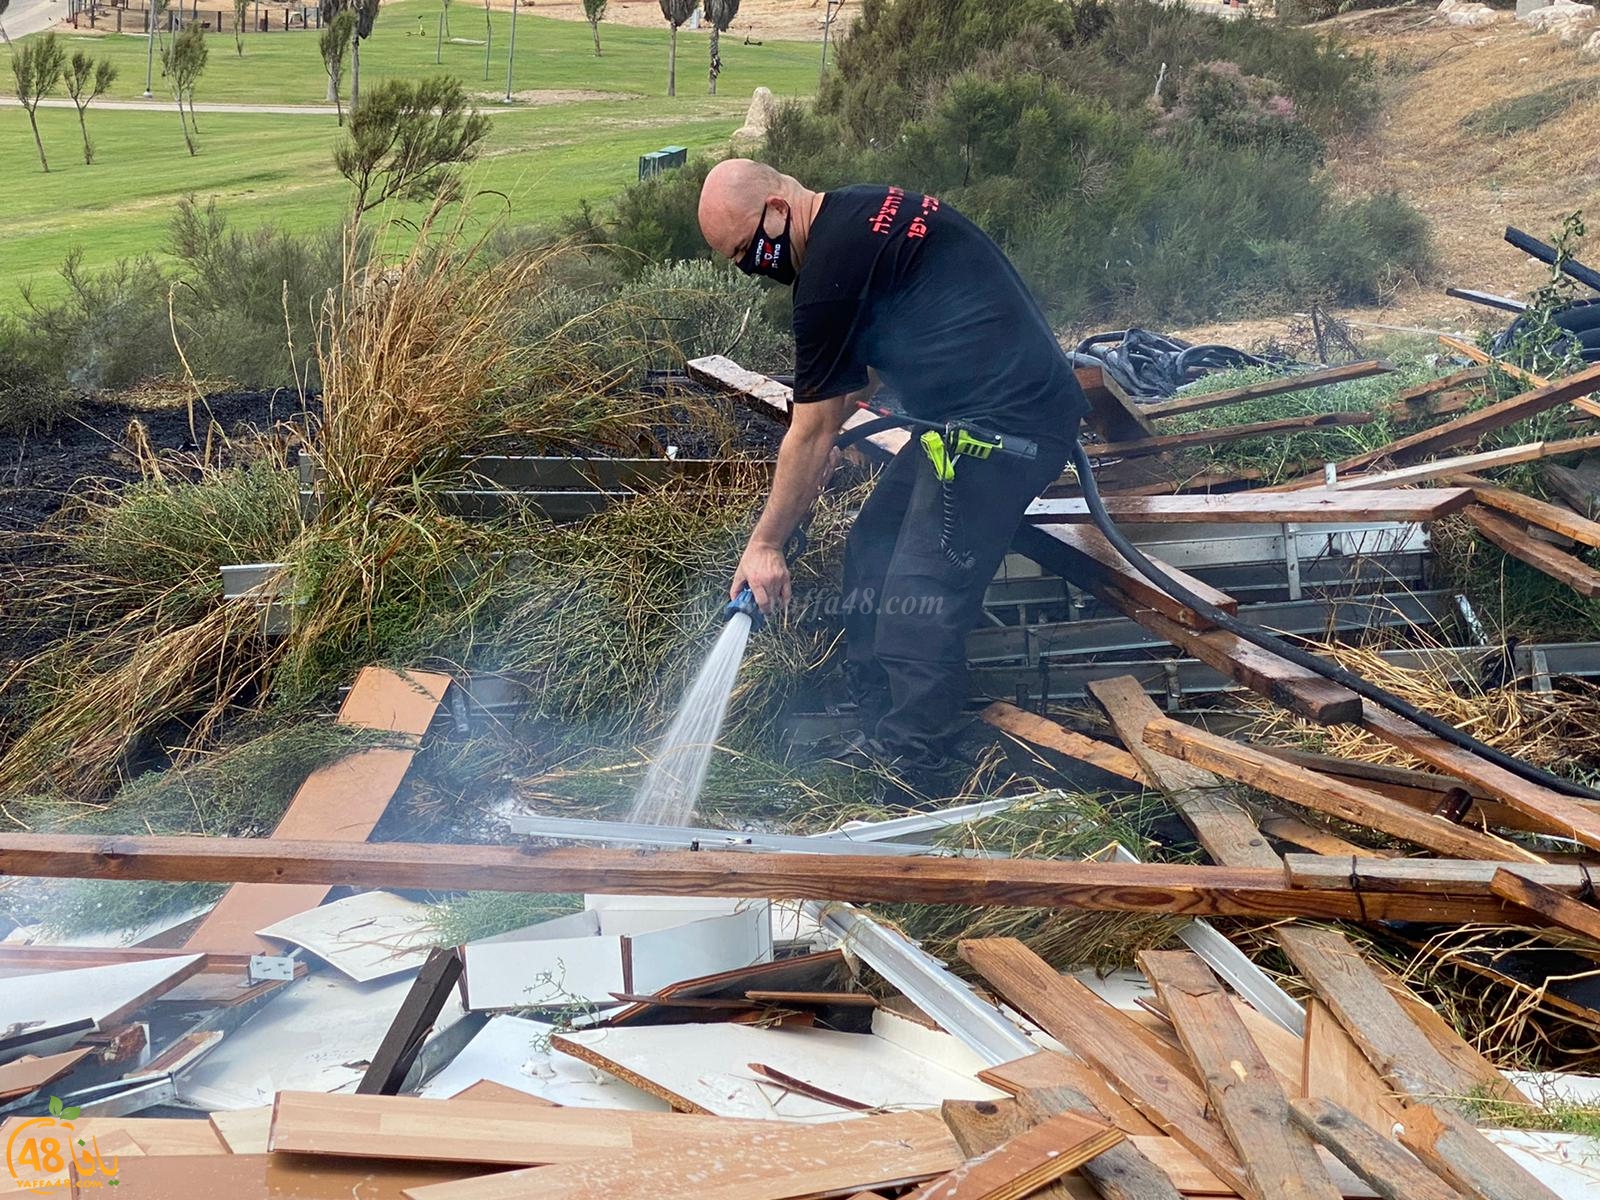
<point x="544" y="158"/>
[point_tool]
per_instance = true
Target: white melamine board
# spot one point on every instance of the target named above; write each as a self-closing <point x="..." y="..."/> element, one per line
<point x="315" y="1035"/>
<point x="60" y="997"/>
<point x="935" y="1045"/>
<point x="515" y="1052"/>
<point x="709" y="1066"/>
<point x="533" y="971"/>
<point x="573" y="925"/>
<point x="367" y="936"/>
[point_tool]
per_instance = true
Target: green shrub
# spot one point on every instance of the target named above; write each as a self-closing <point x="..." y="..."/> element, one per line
<point x="1522" y="113"/>
<point x="31" y="398"/>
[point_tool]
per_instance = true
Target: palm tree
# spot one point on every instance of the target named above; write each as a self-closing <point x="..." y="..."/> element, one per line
<point x="721" y="14"/>
<point x="676" y="12"/>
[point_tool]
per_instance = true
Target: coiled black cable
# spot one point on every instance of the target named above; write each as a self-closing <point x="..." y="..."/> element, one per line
<point x="1301" y="658"/>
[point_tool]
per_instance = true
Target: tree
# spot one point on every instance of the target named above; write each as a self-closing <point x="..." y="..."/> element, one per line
<point x="366" y="13"/>
<point x="595" y="12"/>
<point x="241" y="14"/>
<point x="721" y="14"/>
<point x="4" y="37"/>
<point x="87" y="81"/>
<point x="676" y="12"/>
<point x="182" y="62"/>
<point x="405" y="140"/>
<point x="334" y="42"/>
<point x="37" y="65"/>
<point x="488" y="37"/>
<point x="444" y="16"/>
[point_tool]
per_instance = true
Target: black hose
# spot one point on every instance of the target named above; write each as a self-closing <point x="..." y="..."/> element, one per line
<point x="1302" y="658"/>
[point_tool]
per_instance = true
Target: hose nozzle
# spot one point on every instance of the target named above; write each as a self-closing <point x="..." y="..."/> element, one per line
<point x="745" y="602"/>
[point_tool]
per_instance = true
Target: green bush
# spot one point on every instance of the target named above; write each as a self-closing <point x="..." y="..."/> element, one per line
<point x="30" y="397"/>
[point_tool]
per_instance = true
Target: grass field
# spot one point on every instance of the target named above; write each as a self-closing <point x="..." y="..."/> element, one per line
<point x="544" y="158"/>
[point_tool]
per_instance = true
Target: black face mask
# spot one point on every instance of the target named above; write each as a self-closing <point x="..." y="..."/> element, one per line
<point x="769" y="256"/>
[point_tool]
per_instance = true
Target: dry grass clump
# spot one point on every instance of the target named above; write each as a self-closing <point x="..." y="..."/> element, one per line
<point x="1558" y="730"/>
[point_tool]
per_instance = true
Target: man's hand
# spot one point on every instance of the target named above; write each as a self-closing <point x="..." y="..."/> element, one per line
<point x="764" y="569"/>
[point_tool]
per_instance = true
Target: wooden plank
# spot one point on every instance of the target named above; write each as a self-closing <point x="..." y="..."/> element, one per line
<point x="1314" y="838"/>
<point x="1475" y="354"/>
<point x="1574" y="488"/>
<point x="267" y="1177"/>
<point x="488" y="1089"/>
<point x="1163" y="443"/>
<point x="1300" y="690"/>
<point x="1334" y="1069"/>
<point x="780" y="1162"/>
<point x="1055" y="1073"/>
<point x="1052" y="735"/>
<point x="1444" y="383"/>
<point x="1334" y="797"/>
<point x="1131" y="1059"/>
<point x="1313" y="505"/>
<point x="32" y="1073"/>
<point x="1272" y="387"/>
<point x="479" y="1131"/>
<point x="1572" y="915"/>
<point x="1554" y="517"/>
<point x="1025" y="1163"/>
<point x="1484" y="460"/>
<point x="1458" y="877"/>
<point x="1560" y="814"/>
<point x="1279" y="1160"/>
<point x="1470" y="427"/>
<point x="1375" y="1021"/>
<point x="980" y="1126"/>
<point x="339" y="802"/>
<point x="413" y="1021"/>
<point x="244" y="1130"/>
<point x="1382" y="1165"/>
<point x="824" y="999"/>
<point x="775" y="399"/>
<point x="1123" y="1172"/>
<point x="1084" y="550"/>
<point x="1175" y="890"/>
<point x="1443" y="404"/>
<point x="1466" y="1159"/>
<point x="1113" y="414"/>
<point x="1223" y="828"/>
<point x="1558" y="564"/>
<point x="103" y="996"/>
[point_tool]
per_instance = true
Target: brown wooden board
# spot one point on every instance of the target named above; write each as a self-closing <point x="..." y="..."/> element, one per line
<point x="1459" y="877"/>
<point x="1442" y="468"/>
<point x="413" y="1021"/>
<point x="1123" y="1172"/>
<point x="479" y="1131"/>
<point x="1578" y="488"/>
<point x="1561" y="814"/>
<point x="1222" y="827"/>
<point x="265" y="1177"/>
<point x="1382" y="1165"/>
<point x="1022" y="1165"/>
<point x="1554" y="517"/>
<point x="1552" y="906"/>
<point x="775" y="1161"/>
<point x="1316" y="839"/>
<point x="1313" y="505"/>
<point x="341" y="801"/>
<point x="1375" y="1021"/>
<point x="1465" y="1158"/>
<point x="1052" y="735"/>
<point x="31" y="1073"/>
<point x="1130" y="1058"/>
<point x="775" y="399"/>
<point x="1335" y="797"/>
<point x="1272" y="387"/>
<point x="1051" y="1071"/>
<point x="1444" y="383"/>
<point x="1280" y="1162"/>
<point x="1174" y="890"/>
<point x="1335" y="1069"/>
<point x="1514" y="540"/>
<point x="807" y="972"/>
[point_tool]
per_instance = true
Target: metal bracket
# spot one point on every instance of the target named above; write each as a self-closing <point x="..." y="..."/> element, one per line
<point x="264" y="967"/>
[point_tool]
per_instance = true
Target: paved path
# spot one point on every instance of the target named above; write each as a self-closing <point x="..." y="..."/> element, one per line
<point x="32" y="16"/>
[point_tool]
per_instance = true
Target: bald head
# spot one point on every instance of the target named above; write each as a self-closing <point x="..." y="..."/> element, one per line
<point x="735" y="193"/>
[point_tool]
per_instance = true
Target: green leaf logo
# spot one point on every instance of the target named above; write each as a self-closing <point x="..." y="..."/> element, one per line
<point x="56" y="1108"/>
<point x="71" y="1114"/>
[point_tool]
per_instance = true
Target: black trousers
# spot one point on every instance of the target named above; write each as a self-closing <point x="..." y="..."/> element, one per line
<point x="908" y="608"/>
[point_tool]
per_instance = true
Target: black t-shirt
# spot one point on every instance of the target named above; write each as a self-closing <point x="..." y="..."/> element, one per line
<point x="908" y="286"/>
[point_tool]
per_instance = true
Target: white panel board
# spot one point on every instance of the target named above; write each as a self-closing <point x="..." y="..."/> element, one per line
<point x="367" y="936"/>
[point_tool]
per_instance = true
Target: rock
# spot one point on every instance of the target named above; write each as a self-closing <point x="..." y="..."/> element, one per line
<point x="1573" y="33"/>
<point x="1469" y="14"/>
<point x="1553" y="16"/>
<point x="1591" y="48"/>
<point x="758" y="119"/>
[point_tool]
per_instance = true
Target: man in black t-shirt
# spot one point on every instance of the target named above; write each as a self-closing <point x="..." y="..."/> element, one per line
<point x="897" y="287"/>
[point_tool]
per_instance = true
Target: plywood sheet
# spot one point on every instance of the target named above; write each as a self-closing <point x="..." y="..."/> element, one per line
<point x="776" y="1161"/>
<point x="103" y="995"/>
<point x="30" y="1074"/>
<point x="272" y="1177"/>
<point x="706" y="1069"/>
<point x="243" y="1130"/>
<point x="367" y="936"/>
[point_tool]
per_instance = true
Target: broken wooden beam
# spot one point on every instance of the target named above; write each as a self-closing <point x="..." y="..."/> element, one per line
<point x="1312" y="505"/>
<point x="1541" y="556"/>
<point x="1334" y="797"/>
<point x="1555" y="517"/>
<point x="1441" y="467"/>
<point x="1552" y="906"/>
<point x="1270" y="387"/>
<point x="1049" y="883"/>
<point x="1381" y="1164"/>
<point x="774" y="399"/>
<point x="1052" y="735"/>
